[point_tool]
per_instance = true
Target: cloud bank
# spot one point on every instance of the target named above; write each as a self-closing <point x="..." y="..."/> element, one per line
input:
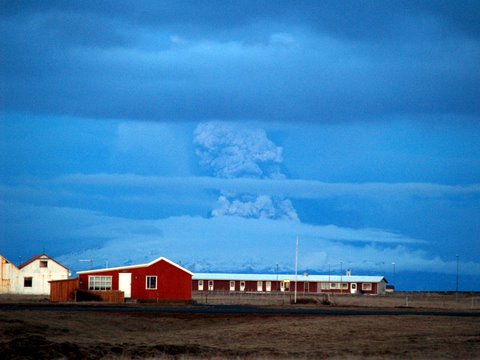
<point x="289" y="61"/>
<point x="297" y="188"/>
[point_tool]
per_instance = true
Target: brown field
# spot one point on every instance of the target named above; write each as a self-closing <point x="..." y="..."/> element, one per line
<point x="38" y="334"/>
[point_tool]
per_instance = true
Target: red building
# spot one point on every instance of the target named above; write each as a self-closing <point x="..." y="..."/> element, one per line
<point x="160" y="279"/>
<point x="306" y="284"/>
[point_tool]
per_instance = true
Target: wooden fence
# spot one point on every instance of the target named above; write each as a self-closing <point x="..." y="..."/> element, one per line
<point x="111" y="296"/>
<point x="68" y="290"/>
<point x="63" y="290"/>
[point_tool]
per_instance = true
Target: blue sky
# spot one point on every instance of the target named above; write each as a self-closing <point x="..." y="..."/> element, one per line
<point x="215" y="133"/>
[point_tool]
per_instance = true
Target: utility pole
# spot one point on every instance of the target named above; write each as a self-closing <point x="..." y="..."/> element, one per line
<point x="341" y="273"/>
<point x="329" y="276"/>
<point x="393" y="275"/>
<point x="277" y="279"/>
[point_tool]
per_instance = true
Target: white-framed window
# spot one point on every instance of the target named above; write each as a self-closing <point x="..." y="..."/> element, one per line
<point x="324" y="285"/>
<point x="43" y="263"/>
<point x="210" y="285"/>
<point x="259" y="285"/>
<point x="268" y="286"/>
<point x="344" y="286"/>
<point x="282" y="285"/>
<point x="367" y="286"/>
<point x="334" y="285"/>
<point x="232" y="285"/>
<point x="99" y="283"/>
<point x="242" y="285"/>
<point x="151" y="282"/>
<point x="200" y="285"/>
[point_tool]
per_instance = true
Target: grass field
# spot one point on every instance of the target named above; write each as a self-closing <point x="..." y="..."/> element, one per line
<point x="35" y="334"/>
<point x="434" y="300"/>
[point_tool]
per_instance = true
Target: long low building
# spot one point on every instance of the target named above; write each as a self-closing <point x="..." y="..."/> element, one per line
<point x="346" y="284"/>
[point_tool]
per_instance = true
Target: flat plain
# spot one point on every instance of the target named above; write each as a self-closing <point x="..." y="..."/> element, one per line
<point x="32" y="333"/>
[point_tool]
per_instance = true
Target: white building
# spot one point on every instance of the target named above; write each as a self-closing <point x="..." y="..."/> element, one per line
<point x="31" y="277"/>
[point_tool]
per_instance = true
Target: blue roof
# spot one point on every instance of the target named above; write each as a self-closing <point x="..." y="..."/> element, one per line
<point x="288" y="277"/>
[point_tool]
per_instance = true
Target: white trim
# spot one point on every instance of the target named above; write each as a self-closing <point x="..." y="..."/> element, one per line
<point x="91" y="279"/>
<point x="136" y="267"/>
<point x="146" y="282"/>
<point x="367" y="287"/>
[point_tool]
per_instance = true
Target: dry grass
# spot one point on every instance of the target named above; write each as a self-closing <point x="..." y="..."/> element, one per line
<point x="45" y="334"/>
<point x="447" y="301"/>
<point x="34" y="334"/>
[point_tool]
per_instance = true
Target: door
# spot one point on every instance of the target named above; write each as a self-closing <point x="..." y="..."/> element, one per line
<point x="125" y="284"/>
<point x="268" y="286"/>
<point x="353" y="288"/>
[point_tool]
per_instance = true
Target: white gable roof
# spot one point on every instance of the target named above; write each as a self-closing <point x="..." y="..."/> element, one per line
<point x="136" y="266"/>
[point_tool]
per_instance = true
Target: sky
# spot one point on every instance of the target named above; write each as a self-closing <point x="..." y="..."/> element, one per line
<point x="216" y="133"/>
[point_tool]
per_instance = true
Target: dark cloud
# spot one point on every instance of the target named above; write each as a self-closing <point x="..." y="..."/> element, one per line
<point x="368" y="18"/>
<point x="302" y="60"/>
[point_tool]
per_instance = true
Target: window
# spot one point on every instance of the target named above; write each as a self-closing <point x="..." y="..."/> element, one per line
<point x="151" y="282"/>
<point x="324" y="286"/>
<point x="268" y="286"/>
<point x="334" y="285"/>
<point x="99" y="283"/>
<point x="27" y="282"/>
<point x="43" y="263"/>
<point x="344" y="286"/>
<point x="232" y="285"/>
<point x="200" y="285"/>
<point x="242" y="285"/>
<point x="210" y="285"/>
<point x="259" y="286"/>
<point x="367" y="286"/>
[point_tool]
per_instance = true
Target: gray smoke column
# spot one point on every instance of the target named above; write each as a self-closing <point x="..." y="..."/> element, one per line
<point x="231" y="151"/>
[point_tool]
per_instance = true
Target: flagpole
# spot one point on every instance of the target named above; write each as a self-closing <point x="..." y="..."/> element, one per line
<point x="296" y="272"/>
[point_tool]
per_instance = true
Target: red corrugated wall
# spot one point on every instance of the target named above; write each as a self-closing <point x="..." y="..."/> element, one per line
<point x="172" y="282"/>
